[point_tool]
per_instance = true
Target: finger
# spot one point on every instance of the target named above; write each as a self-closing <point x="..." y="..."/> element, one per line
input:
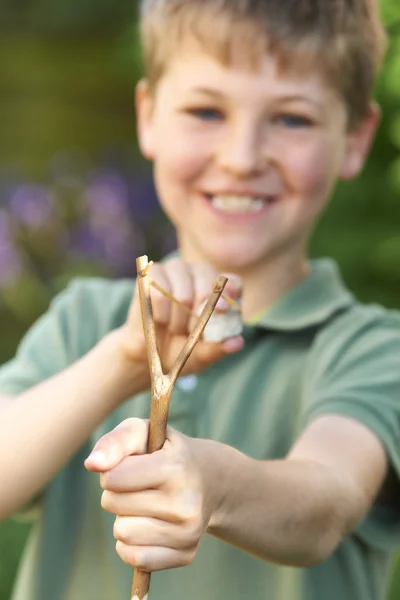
<point x="204" y="276"/>
<point x="233" y="287"/>
<point x="181" y="285"/>
<point x="137" y="473"/>
<point x="153" y="503"/>
<point x="207" y="353"/>
<point x="154" y="558"/>
<point x="146" y="531"/>
<point x="160" y="304"/>
<point x="148" y="503"/>
<point x="130" y="437"/>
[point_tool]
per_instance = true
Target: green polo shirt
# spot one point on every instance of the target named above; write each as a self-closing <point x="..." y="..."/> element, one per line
<point x="317" y="351"/>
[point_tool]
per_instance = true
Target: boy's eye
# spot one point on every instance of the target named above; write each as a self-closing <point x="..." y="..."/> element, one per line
<point x="206" y="114"/>
<point x="293" y="121"/>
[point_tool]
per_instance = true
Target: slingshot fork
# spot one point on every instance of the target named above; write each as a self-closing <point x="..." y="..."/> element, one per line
<point x="161" y="384"/>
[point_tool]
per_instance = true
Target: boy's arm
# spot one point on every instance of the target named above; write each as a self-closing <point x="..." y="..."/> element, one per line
<point x="43" y="427"/>
<point x="290" y="511"/>
<point x="296" y="511"/>
<point x="4" y="400"/>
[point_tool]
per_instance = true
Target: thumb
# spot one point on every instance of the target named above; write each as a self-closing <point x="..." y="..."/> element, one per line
<point x="130" y="437"/>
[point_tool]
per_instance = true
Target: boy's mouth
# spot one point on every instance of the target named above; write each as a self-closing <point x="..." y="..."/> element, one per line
<point x="236" y="204"/>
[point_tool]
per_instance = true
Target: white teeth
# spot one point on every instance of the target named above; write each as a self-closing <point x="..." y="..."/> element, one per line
<point x="238" y="204"/>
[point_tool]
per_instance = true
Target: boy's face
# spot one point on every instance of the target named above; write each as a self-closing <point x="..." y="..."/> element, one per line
<point x="245" y="161"/>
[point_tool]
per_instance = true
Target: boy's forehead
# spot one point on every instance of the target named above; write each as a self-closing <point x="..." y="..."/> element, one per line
<point x="194" y="68"/>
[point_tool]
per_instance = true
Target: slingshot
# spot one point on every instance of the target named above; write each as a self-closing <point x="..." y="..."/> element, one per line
<point x="161" y="384"/>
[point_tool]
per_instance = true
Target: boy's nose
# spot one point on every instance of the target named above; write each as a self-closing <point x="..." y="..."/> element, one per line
<point x="242" y="153"/>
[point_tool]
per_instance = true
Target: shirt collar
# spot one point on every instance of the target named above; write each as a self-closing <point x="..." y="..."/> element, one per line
<point x="310" y="303"/>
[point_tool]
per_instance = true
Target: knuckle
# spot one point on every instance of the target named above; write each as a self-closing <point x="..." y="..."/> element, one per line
<point x="184" y="298"/>
<point x="127" y="554"/>
<point x="120" y="531"/>
<point x="190" y="514"/>
<point x="189" y="557"/>
<point x="207" y="353"/>
<point x="106" y="503"/>
<point x="174" y="510"/>
<point x="194" y="529"/>
<point x="117" y="529"/>
<point x="105" y="443"/>
<point x="133" y="425"/>
<point x="105" y="480"/>
<point x="160" y="309"/>
<point x="176" y="327"/>
<point x="137" y="557"/>
<point x="130" y="422"/>
<point x="175" y="471"/>
<point x="167" y="463"/>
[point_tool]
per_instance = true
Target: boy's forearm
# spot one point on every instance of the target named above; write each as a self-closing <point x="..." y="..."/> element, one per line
<point x="43" y="427"/>
<point x="288" y="512"/>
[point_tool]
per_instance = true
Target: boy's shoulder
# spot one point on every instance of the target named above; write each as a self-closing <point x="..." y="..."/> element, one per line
<point x="369" y="325"/>
<point x="77" y="318"/>
<point x="93" y="288"/>
<point x="353" y="366"/>
<point x="102" y="302"/>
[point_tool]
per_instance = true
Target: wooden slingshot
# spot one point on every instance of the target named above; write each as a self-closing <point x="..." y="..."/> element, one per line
<point x="162" y="385"/>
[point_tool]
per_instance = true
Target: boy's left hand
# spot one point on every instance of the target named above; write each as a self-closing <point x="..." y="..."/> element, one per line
<point x="163" y="501"/>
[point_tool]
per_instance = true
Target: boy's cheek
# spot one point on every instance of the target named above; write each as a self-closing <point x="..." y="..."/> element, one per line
<point x="180" y="163"/>
<point x="311" y="172"/>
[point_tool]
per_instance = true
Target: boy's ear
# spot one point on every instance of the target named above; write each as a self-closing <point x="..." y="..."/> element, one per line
<point x="144" y="111"/>
<point x="359" y="142"/>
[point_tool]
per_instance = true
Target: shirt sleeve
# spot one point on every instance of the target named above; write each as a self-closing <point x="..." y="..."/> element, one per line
<point x="42" y="352"/>
<point x="354" y="370"/>
<point x="76" y="320"/>
<point x="56" y="340"/>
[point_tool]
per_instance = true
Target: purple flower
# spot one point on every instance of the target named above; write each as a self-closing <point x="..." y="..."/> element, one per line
<point x="5" y="225"/>
<point x="82" y="241"/>
<point x="167" y="241"/>
<point x="107" y="199"/>
<point x="31" y="205"/>
<point x="143" y="199"/>
<point x="122" y="245"/>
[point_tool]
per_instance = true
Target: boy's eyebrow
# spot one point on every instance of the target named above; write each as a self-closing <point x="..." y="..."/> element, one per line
<point x="298" y="97"/>
<point x="209" y="91"/>
<point x="285" y="98"/>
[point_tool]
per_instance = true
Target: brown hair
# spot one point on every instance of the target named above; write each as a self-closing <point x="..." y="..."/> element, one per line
<point x="343" y="39"/>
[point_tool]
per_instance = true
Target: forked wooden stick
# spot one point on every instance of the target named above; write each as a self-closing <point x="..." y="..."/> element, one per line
<point x="162" y="385"/>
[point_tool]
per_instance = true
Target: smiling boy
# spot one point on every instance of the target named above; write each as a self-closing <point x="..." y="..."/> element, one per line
<point x="279" y="478"/>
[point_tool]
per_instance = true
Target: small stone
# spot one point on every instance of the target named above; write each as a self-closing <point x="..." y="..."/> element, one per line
<point x="222" y="326"/>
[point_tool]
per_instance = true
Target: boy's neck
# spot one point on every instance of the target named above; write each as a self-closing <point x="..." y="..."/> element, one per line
<point x="265" y="283"/>
<point x="263" y="287"/>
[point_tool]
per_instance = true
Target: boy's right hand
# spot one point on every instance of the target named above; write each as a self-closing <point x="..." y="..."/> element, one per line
<point x="192" y="285"/>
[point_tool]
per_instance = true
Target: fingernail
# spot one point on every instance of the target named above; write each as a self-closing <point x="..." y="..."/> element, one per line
<point x="234" y="280"/>
<point x="233" y="345"/>
<point x="222" y="305"/>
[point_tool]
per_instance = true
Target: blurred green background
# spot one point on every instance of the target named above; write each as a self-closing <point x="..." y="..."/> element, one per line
<point x="77" y="199"/>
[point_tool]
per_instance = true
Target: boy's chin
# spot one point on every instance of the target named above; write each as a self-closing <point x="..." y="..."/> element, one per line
<point x="232" y="259"/>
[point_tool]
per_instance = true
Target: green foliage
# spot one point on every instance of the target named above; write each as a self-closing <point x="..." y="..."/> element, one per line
<point x="67" y="16"/>
<point x="12" y="539"/>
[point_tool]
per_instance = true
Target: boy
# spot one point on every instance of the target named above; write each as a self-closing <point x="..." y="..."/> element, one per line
<point x="284" y="448"/>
